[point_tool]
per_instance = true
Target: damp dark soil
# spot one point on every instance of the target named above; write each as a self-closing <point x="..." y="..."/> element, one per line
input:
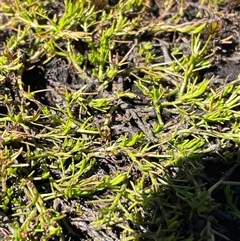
<point x="49" y="79"/>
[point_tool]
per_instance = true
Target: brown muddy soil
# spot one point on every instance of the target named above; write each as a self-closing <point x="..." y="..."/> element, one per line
<point x="57" y="73"/>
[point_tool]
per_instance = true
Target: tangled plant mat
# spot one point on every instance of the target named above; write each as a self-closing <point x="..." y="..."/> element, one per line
<point x="119" y="120"/>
